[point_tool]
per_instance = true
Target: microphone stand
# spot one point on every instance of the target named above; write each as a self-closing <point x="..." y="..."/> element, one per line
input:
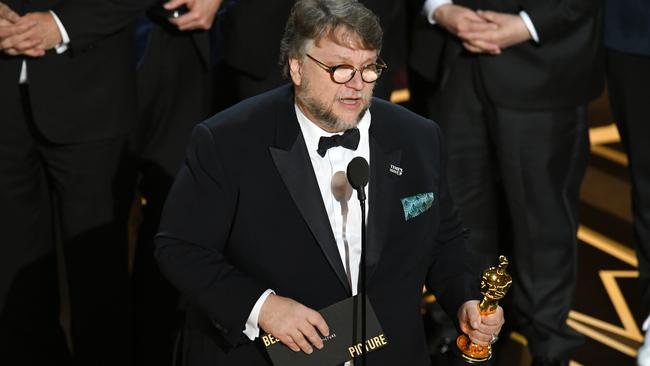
<point x="357" y="173"/>
<point x="362" y="274"/>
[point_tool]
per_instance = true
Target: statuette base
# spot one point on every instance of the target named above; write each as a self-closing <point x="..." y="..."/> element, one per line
<point x="472" y="352"/>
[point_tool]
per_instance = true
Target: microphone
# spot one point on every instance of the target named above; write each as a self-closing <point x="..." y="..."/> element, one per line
<point x="357" y="173"/>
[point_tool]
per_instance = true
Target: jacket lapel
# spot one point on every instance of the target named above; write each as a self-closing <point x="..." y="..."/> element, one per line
<point x="292" y="161"/>
<point x="382" y="185"/>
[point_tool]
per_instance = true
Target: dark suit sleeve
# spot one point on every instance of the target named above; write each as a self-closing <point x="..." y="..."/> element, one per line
<point x="452" y="276"/>
<point x="193" y="238"/>
<point x="87" y="21"/>
<point x="553" y="19"/>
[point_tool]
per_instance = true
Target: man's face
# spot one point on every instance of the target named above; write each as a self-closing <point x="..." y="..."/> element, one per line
<point x="333" y="107"/>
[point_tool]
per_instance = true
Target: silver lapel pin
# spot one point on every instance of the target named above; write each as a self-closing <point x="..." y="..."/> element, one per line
<point x="396" y="170"/>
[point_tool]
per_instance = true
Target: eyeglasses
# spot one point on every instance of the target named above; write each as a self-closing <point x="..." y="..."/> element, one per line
<point x="341" y="74"/>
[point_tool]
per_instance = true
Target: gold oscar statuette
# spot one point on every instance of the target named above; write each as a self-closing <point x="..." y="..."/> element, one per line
<point x="495" y="282"/>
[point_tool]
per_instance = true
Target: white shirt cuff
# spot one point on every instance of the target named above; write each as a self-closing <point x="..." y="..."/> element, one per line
<point x="529" y="24"/>
<point x="22" y="79"/>
<point x="65" y="39"/>
<point x="252" y="329"/>
<point x="430" y="7"/>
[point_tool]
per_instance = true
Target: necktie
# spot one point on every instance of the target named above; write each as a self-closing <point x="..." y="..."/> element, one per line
<point x="349" y="140"/>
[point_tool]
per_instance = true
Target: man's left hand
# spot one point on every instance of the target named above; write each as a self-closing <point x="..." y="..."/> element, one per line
<point x="480" y="329"/>
<point x="200" y="16"/>
<point x="511" y="30"/>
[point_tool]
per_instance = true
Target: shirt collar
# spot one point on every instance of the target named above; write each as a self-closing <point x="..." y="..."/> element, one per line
<point x="312" y="133"/>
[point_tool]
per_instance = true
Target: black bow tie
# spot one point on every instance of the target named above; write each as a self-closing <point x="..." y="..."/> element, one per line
<point x="349" y="140"/>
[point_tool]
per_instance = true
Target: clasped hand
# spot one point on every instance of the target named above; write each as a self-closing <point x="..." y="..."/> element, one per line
<point x="28" y="35"/>
<point x="482" y="31"/>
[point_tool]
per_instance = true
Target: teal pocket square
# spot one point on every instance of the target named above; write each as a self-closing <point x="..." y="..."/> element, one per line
<point x="415" y="205"/>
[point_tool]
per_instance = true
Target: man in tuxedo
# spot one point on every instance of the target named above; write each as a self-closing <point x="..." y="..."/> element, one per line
<point x="627" y="38"/>
<point x="68" y="99"/>
<point x="257" y="237"/>
<point x="509" y="85"/>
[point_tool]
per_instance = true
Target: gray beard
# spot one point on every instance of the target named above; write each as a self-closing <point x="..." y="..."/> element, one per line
<point x="324" y="114"/>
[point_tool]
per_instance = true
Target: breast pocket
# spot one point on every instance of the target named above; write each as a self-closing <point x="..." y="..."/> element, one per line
<point x="415" y="205"/>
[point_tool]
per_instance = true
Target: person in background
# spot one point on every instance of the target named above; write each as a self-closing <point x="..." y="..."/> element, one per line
<point x="67" y="88"/>
<point x="509" y="83"/>
<point x="627" y="38"/>
<point x="175" y="92"/>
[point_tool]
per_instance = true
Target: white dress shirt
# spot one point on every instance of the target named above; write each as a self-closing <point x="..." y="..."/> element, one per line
<point x="335" y="160"/>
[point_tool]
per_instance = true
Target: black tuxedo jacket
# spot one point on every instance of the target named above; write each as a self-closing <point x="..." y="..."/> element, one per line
<point x="88" y="92"/>
<point x="564" y="69"/>
<point x="245" y="214"/>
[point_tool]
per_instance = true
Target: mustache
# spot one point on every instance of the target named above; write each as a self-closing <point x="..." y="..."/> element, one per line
<point x="353" y="94"/>
<point x="361" y="96"/>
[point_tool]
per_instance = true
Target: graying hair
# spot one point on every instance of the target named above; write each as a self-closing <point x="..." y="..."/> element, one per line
<point x="313" y="20"/>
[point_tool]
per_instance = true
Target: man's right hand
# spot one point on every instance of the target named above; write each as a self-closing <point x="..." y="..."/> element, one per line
<point x="294" y="324"/>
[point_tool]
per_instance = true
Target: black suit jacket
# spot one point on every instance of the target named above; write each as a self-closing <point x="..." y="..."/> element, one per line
<point x="88" y="92"/>
<point x="245" y="214"/>
<point x="564" y="69"/>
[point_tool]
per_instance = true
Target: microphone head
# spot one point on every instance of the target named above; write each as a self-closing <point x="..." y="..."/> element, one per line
<point x="358" y="172"/>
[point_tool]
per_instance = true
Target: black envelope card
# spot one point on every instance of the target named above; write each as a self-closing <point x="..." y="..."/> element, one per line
<point x="342" y="344"/>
